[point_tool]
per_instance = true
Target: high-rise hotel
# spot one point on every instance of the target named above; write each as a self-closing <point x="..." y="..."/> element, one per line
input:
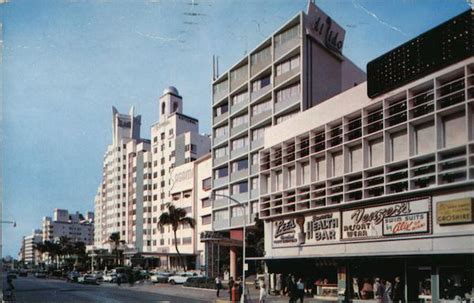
<point x="126" y="171"/>
<point x="141" y="176"/>
<point x="296" y="68"/>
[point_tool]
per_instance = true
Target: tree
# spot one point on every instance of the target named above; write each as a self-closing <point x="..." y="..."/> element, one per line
<point x="174" y="217"/>
<point x="114" y="238"/>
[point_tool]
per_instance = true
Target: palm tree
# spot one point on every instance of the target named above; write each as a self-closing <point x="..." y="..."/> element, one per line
<point x="115" y="239"/>
<point x="175" y="217"/>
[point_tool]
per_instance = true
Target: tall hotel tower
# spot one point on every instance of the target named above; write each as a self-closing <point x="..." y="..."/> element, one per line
<point x="120" y="201"/>
<point x="297" y="67"/>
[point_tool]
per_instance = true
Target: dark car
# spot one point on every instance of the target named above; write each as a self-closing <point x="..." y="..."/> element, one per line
<point x="23" y="273"/>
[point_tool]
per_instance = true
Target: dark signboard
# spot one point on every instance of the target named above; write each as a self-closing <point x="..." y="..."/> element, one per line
<point x="446" y="44"/>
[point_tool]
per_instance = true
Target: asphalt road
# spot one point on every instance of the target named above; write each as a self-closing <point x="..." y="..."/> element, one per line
<point x="31" y="289"/>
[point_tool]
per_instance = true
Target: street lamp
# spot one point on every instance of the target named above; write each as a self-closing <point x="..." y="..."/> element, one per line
<point x="213" y="197"/>
<point x="9" y="222"/>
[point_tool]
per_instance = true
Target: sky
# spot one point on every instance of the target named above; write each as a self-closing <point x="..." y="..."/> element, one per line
<point x="65" y="64"/>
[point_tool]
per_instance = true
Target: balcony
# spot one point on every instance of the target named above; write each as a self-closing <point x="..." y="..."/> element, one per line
<point x="254" y="193"/>
<point x="237" y="221"/>
<point x="239" y="106"/>
<point x="256" y="144"/>
<point x="281" y="105"/>
<point x="239" y="175"/>
<point x="220" y="202"/>
<point x="286" y="47"/>
<point x="239" y="152"/>
<point x="254" y="169"/>
<point x="234" y="84"/>
<point x="238" y="129"/>
<point x="286" y="76"/>
<point x="259" y="93"/>
<point x="220" y="224"/>
<point x="241" y="197"/>
<point x="219" y="96"/>
<point x="260" y="117"/>
<point x="219" y="140"/>
<point x="220" y="118"/>
<point x="221" y="160"/>
<point x="219" y="182"/>
<point x="255" y="69"/>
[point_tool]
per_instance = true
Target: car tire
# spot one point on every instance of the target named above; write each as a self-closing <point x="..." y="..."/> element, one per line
<point x="172" y="282"/>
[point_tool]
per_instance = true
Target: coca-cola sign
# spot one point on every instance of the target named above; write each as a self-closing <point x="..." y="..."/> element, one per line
<point x="406" y="217"/>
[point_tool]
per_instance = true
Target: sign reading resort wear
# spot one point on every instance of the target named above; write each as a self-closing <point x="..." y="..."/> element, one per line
<point x="401" y="218"/>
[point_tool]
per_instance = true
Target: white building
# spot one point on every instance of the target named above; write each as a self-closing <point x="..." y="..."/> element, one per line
<point x="74" y="226"/>
<point x="126" y="184"/>
<point x="176" y="143"/>
<point x="30" y="255"/>
<point x="359" y="188"/>
<point x="300" y="65"/>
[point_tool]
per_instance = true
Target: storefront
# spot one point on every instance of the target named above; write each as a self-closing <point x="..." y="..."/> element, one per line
<point x="418" y="249"/>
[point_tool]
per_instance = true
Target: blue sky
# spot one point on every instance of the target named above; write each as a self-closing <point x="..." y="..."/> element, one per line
<point x="65" y="63"/>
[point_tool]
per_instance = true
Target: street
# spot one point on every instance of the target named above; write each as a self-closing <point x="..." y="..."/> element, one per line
<point x="30" y="289"/>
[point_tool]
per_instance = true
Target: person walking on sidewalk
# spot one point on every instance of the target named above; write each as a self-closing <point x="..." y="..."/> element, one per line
<point x="218" y="285"/>
<point x="300" y="290"/>
<point x="231" y="284"/>
<point x="263" y="292"/>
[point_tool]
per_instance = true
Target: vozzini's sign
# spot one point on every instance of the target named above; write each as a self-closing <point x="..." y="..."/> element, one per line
<point x="401" y="218"/>
<point x="324" y="29"/>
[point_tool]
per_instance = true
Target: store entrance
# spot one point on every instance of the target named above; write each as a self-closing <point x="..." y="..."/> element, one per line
<point x="419" y="284"/>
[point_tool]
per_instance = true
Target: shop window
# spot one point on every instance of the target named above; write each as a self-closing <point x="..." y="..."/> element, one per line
<point x="455" y="284"/>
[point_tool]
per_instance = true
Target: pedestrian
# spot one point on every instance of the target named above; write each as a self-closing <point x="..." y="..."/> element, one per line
<point x="119" y="279"/>
<point x="398" y="291"/>
<point x="292" y="292"/>
<point x="263" y="292"/>
<point x="387" y="293"/>
<point x="231" y="285"/>
<point x="218" y="285"/>
<point x="300" y="290"/>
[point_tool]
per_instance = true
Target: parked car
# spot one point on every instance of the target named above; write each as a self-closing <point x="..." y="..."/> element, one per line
<point x="109" y="277"/>
<point x="40" y="274"/>
<point x="72" y="276"/>
<point x="180" y="278"/>
<point x="87" y="279"/>
<point x="23" y="273"/>
<point x="160" y="277"/>
<point x="98" y="275"/>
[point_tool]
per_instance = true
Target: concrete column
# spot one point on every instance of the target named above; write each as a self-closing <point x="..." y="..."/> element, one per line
<point x="233" y="262"/>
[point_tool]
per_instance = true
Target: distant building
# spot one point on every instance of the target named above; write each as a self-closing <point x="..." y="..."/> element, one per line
<point x="30" y="255"/>
<point x="77" y="227"/>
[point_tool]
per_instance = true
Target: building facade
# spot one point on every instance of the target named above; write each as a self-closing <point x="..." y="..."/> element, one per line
<point x="296" y="68"/>
<point x="126" y="180"/>
<point x="74" y="226"/>
<point x="380" y="189"/>
<point x="31" y="256"/>
<point x="176" y="144"/>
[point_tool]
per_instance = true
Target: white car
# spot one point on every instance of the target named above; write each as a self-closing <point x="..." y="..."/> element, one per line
<point x="180" y="278"/>
<point x="159" y="277"/>
<point x="109" y="277"/>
